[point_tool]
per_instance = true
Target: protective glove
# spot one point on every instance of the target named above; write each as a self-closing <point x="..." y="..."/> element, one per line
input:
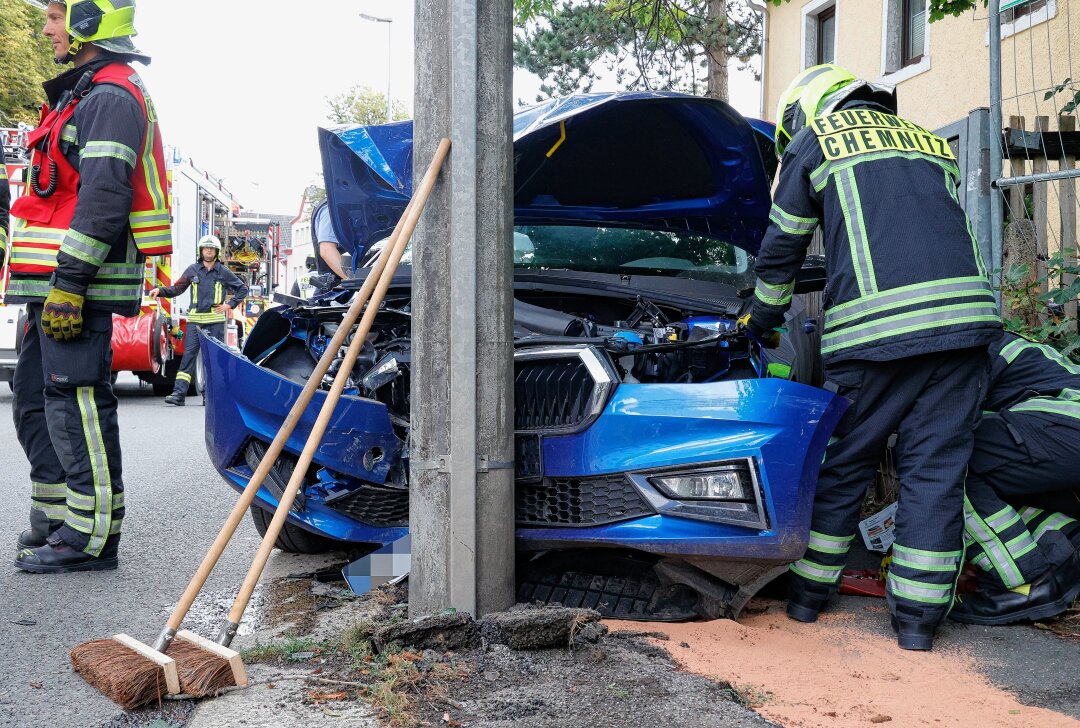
<point x="767" y="339"/>
<point x="62" y="317"/>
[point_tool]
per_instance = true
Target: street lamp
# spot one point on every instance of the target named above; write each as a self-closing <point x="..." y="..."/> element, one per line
<point x="377" y="19"/>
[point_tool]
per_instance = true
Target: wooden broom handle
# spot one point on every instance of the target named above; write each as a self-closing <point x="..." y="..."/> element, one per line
<point x="247" y="496"/>
<point x="327" y="411"/>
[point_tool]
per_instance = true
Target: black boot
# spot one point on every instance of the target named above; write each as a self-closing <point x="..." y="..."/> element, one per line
<point x="30" y="539"/>
<point x="1048" y="595"/>
<point x="56" y="557"/>
<point x="914" y="635"/>
<point x="176" y="398"/>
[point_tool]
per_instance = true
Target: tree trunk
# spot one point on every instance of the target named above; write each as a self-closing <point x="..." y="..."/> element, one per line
<point x="717" y="52"/>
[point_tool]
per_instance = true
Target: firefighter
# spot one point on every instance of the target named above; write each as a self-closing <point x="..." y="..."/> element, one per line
<point x="909" y="312"/>
<point x="209" y="280"/>
<point x="5" y="204"/>
<point x="95" y="206"/>
<point x="1023" y="488"/>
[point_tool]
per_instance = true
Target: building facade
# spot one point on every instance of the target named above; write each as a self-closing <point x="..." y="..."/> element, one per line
<point x="941" y="69"/>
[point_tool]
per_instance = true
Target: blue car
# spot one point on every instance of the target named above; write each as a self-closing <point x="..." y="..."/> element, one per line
<point x="665" y="464"/>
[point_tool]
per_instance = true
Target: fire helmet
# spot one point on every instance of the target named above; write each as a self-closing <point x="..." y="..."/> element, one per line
<point x="108" y="24"/>
<point x="208" y="241"/>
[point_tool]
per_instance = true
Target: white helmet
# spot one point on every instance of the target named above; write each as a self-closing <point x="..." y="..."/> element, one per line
<point x="208" y="241"/>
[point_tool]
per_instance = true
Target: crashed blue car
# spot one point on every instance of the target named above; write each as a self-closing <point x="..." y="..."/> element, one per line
<point x="665" y="464"/>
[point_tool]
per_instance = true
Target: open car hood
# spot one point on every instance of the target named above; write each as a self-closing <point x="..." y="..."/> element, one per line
<point x="656" y="160"/>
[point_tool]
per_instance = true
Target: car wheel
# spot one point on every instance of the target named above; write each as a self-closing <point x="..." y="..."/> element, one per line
<point x="293" y="539"/>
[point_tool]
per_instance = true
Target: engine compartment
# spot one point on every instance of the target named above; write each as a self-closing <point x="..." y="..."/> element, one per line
<point x="646" y="342"/>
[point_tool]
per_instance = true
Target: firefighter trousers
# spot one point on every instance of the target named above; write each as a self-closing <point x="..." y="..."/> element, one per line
<point x="188" y="363"/>
<point x="931" y="401"/>
<point x="65" y="419"/>
<point x="1023" y="496"/>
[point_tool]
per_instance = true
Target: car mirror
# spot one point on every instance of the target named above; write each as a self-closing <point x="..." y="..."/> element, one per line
<point x="811" y="277"/>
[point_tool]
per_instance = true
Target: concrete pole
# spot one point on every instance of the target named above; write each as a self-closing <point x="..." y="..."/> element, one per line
<point x="997" y="213"/>
<point x="461" y="505"/>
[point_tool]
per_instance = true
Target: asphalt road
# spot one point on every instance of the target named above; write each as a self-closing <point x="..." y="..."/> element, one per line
<point x="175" y="504"/>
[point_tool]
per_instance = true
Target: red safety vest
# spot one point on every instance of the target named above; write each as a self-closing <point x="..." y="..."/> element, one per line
<point x="43" y="222"/>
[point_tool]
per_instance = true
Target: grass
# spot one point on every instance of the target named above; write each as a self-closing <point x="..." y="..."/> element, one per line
<point x="750" y="696"/>
<point x="285" y="649"/>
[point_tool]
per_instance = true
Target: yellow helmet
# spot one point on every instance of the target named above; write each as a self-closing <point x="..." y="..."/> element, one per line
<point x="820" y="90"/>
<point x="109" y="24"/>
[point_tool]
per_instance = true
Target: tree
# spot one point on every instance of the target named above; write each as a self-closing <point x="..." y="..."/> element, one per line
<point x="682" y="45"/>
<point x="25" y="62"/>
<point x="363" y="105"/>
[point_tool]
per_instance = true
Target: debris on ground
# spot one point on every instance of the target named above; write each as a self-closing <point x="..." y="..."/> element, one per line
<point x="528" y="667"/>
<point x="1066" y="625"/>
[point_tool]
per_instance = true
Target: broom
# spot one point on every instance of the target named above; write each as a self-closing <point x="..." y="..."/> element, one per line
<point x="204" y="672"/>
<point x="133" y="674"/>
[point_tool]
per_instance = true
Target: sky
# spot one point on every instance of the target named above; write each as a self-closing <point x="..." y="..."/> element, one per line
<point x="241" y="87"/>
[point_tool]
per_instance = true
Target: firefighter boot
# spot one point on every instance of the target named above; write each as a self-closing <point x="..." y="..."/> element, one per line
<point x="176" y="398"/>
<point x="914" y="635"/>
<point x="30" y="539"/>
<point x="56" y="557"/>
<point x="1046" y="596"/>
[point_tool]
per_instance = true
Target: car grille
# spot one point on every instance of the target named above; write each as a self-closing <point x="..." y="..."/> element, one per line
<point x="556" y="391"/>
<point x="374" y="505"/>
<point x="578" y="502"/>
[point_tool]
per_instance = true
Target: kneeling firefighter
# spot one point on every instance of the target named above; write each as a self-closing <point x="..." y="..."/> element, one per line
<point x="1023" y="488"/>
<point x="96" y="205"/>
<point x="209" y="281"/>
<point x="909" y="312"/>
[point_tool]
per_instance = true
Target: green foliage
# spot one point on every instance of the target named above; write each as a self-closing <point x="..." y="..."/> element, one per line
<point x="646" y="44"/>
<point x="1042" y="316"/>
<point x="363" y="105"/>
<point x="25" y="62"/>
<point x="939" y="9"/>
<point x="1072" y="104"/>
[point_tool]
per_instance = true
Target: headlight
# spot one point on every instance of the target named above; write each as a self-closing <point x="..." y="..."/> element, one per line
<point x="727" y="485"/>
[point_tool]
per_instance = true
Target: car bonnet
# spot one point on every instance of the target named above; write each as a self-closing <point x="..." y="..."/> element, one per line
<point x="656" y="160"/>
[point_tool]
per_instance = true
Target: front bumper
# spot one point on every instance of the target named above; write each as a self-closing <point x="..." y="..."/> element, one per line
<point x="780" y="426"/>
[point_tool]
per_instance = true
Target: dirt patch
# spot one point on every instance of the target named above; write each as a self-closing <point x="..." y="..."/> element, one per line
<point x="1066" y="626"/>
<point x="837" y="673"/>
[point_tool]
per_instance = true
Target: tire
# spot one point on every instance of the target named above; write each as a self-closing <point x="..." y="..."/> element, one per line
<point x="293" y="539"/>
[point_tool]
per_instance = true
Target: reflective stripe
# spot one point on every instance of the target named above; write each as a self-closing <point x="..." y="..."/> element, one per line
<point x="992" y="547"/>
<point x="219" y="293"/>
<point x="952" y="185"/>
<point x="3" y="235"/>
<point x="856" y="229"/>
<point x="205" y="318"/>
<point x="1016" y="348"/>
<point x="150" y="217"/>
<point x="919" y="591"/>
<point x="829" y="544"/>
<point x="183" y="376"/>
<point x="48" y="490"/>
<point x="99" y="465"/>
<point x="792" y="224"/>
<point x="983" y="562"/>
<point x="894" y="298"/>
<point x="1021" y="545"/>
<point x="1054" y="523"/>
<point x="926" y="560"/>
<point x="1028" y="513"/>
<point x="109" y="149"/>
<point x="779" y="295"/>
<point x="28" y="288"/>
<point x="85" y="248"/>
<point x="908" y="322"/>
<point x="817" y="572"/>
<point x="69" y="134"/>
<point x="153" y="183"/>
<point x="52" y="511"/>
<point x="84" y="502"/>
<point x="1003" y="519"/>
<point x="1049" y="405"/>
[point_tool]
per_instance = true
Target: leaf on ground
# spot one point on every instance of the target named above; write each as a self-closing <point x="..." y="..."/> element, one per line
<point x="319" y="697"/>
<point x="270" y="686"/>
<point x="450" y="722"/>
<point x="37" y="685"/>
<point x="329" y="713"/>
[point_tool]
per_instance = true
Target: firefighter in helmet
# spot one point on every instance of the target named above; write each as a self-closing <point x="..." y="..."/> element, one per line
<point x="209" y="281"/>
<point x="96" y="205"/>
<point x="908" y="316"/>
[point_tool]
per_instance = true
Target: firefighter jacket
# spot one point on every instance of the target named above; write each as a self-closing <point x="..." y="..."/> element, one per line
<point x="905" y="275"/>
<point x="99" y="151"/>
<point x="5" y="204"/>
<point x="1031" y="378"/>
<point x="208" y="288"/>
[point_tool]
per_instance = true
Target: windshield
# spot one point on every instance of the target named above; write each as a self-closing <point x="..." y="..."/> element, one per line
<point x="622" y="251"/>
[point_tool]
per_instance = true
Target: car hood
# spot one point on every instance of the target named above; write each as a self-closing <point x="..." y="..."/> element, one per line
<point x="661" y="161"/>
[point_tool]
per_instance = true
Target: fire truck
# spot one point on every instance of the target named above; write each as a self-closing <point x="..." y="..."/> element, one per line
<point x="151" y="344"/>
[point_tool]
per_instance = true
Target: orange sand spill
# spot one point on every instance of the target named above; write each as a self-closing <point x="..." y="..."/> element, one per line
<point x="834" y="673"/>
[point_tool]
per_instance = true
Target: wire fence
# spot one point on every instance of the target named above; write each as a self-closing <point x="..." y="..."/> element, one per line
<point x="1033" y="100"/>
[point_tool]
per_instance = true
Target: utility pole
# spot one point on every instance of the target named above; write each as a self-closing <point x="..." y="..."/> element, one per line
<point x="461" y="504"/>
